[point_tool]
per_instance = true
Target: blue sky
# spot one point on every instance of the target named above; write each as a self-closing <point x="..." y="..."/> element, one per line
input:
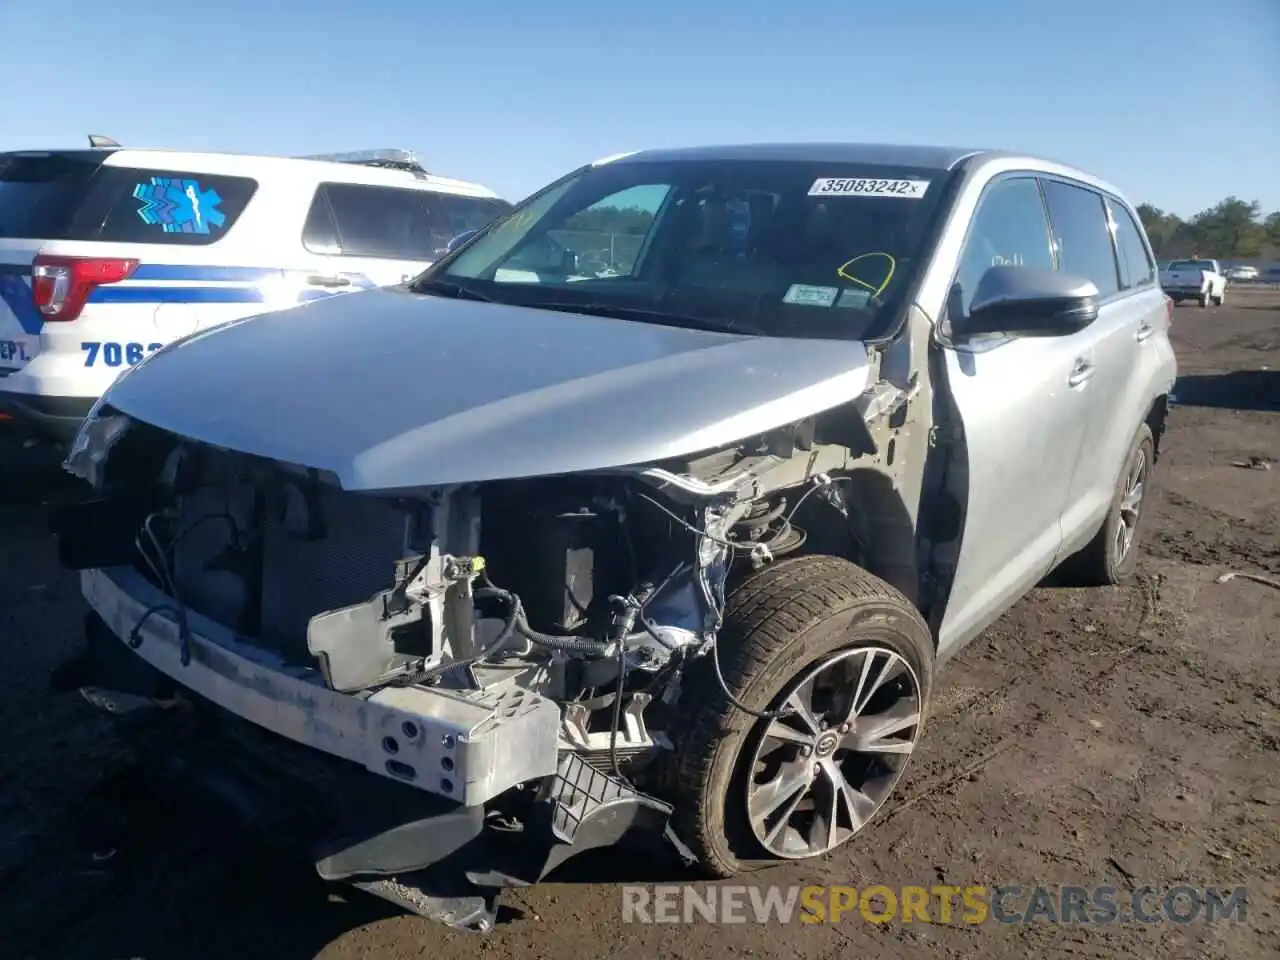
<point x="1177" y="102"/>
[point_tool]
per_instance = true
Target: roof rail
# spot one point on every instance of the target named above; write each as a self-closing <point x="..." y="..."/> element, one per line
<point x="391" y="159"/>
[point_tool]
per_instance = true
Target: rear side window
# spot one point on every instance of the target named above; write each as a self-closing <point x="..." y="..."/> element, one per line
<point x="1080" y="228"/>
<point x="172" y="207"/>
<point x="391" y="223"/>
<point x="40" y="195"/>
<point x="1136" y="264"/>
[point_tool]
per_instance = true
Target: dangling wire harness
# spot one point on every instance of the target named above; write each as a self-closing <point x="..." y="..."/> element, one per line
<point x="160" y="565"/>
<point x="759" y="552"/>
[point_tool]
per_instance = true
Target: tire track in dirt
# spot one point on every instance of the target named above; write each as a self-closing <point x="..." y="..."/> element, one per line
<point x="1114" y="646"/>
<point x="1194" y="533"/>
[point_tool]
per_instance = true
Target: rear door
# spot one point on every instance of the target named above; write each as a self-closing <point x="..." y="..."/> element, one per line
<point x="40" y="193"/>
<point x="380" y="236"/>
<point x="1084" y="235"/>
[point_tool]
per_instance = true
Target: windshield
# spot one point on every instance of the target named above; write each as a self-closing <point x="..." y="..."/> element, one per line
<point x="778" y="248"/>
<point x="1191" y="265"/>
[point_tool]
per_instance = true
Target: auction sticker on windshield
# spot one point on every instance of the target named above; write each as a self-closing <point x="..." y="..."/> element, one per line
<point x="868" y="187"/>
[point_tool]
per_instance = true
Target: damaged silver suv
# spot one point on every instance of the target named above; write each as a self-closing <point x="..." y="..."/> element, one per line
<point x="649" y="511"/>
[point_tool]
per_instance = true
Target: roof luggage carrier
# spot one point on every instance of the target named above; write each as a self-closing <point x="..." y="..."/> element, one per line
<point x="390" y="159"/>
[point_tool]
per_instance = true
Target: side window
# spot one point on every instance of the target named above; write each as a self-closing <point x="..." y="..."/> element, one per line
<point x="168" y="206"/>
<point x="454" y="214"/>
<point x="394" y="223"/>
<point x="319" y="233"/>
<point x="1009" y="228"/>
<point x="1082" y="234"/>
<point x="40" y="196"/>
<point x="608" y="235"/>
<point x="1135" y="258"/>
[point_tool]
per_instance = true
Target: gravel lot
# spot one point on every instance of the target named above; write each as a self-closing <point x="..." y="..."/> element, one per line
<point x="1118" y="736"/>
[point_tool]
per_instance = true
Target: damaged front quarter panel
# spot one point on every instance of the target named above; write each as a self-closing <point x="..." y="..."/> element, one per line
<point x="97" y="437"/>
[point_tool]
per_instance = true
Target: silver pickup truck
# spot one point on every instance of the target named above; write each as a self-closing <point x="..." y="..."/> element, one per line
<point x="523" y="559"/>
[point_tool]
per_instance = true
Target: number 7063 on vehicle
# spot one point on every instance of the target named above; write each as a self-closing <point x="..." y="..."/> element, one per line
<point x="114" y="354"/>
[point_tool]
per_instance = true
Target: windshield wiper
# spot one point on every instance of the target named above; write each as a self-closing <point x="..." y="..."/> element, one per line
<point x="448" y="288"/>
<point x="664" y="317"/>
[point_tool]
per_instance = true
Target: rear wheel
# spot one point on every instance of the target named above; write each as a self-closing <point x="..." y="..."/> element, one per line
<point x="847" y="662"/>
<point x="1112" y="554"/>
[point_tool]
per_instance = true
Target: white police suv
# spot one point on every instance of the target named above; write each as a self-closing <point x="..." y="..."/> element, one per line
<point x="107" y="254"/>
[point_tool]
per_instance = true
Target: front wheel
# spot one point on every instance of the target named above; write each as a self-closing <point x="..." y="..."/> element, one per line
<point x="843" y="663"/>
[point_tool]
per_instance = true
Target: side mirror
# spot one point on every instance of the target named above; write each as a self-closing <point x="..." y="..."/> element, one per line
<point x="545" y="255"/>
<point x="459" y="240"/>
<point x="1029" y="302"/>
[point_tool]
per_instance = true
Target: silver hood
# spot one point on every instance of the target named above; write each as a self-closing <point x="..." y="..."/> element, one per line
<point x="391" y="390"/>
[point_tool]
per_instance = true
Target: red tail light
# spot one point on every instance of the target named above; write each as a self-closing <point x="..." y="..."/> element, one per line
<point x="1168" y="306"/>
<point x="61" y="285"/>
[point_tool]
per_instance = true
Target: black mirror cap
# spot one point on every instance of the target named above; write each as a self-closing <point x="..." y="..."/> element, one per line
<point x="459" y="240"/>
<point x="1027" y="301"/>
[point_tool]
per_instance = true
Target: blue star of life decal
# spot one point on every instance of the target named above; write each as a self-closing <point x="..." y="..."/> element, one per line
<point x="178" y="206"/>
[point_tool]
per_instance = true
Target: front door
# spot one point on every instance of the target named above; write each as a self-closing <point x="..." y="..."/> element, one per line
<point x="1020" y="403"/>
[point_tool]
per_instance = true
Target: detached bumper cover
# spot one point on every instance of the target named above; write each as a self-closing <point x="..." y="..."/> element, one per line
<point x="461" y="746"/>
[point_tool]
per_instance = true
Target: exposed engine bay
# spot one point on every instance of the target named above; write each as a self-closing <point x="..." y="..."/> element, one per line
<point x="477" y="641"/>
<point x="589" y="591"/>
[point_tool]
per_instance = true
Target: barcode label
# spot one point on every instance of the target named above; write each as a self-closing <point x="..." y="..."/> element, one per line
<point x="867" y="187"/>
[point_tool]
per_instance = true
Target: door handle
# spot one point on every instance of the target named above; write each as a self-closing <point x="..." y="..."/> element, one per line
<point x="1080" y="372"/>
<point x="1144" y="332"/>
<point x="328" y="280"/>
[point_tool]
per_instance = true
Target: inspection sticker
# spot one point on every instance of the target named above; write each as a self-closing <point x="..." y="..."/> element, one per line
<point x="868" y="187"/>
<point x="851" y="297"/>
<point x="804" y="295"/>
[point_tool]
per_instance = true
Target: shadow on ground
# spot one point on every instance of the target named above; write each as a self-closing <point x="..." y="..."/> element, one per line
<point x="126" y="843"/>
<point x="1238" y="390"/>
<point x="30" y="476"/>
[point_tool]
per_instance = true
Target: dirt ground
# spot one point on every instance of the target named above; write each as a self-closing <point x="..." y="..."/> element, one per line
<point x="1108" y="737"/>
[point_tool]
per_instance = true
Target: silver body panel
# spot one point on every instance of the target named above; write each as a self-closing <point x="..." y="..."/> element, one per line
<point x="1044" y="454"/>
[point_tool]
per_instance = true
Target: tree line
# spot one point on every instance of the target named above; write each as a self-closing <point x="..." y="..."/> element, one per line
<point x="1231" y="229"/>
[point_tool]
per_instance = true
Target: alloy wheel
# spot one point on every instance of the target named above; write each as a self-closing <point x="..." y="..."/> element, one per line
<point x="821" y="771"/>
<point x="1131" y="504"/>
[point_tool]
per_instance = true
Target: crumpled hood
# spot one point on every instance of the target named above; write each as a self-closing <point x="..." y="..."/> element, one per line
<point x="391" y="390"/>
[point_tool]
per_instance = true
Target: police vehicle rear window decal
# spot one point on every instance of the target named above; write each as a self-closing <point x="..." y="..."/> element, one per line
<point x="178" y="206"/>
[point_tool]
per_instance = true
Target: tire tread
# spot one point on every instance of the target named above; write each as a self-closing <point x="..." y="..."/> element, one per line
<point x="763" y="616"/>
